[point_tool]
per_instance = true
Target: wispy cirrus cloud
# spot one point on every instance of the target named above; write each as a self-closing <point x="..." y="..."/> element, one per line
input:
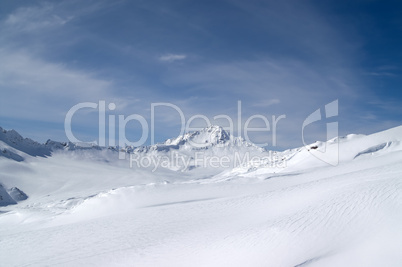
<point x="34" y="87"/>
<point x="35" y="18"/>
<point x="267" y="103"/>
<point x="172" y="57"/>
<point x="38" y="89"/>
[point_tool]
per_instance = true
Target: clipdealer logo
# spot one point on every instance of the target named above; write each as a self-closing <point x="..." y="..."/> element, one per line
<point x="327" y="152"/>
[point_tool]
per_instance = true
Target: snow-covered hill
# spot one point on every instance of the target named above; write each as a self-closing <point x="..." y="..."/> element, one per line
<point x="321" y="154"/>
<point x="83" y="206"/>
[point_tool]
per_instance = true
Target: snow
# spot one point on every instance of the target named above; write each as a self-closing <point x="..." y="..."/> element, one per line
<point x="87" y="207"/>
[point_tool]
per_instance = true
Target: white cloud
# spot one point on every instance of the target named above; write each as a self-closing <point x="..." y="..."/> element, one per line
<point x="172" y="57"/>
<point x="267" y="103"/>
<point x="35" y="18"/>
<point x="35" y="89"/>
<point x="382" y="74"/>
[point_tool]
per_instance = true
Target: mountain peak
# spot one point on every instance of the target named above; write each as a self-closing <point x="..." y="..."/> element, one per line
<point x="216" y="132"/>
<point x="211" y="135"/>
<point x="13" y="139"/>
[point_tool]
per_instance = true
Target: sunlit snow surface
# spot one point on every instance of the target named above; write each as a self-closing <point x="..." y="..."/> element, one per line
<point x="87" y="208"/>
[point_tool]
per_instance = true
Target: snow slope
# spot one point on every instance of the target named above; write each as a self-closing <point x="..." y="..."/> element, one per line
<point x="321" y="154"/>
<point x="86" y="207"/>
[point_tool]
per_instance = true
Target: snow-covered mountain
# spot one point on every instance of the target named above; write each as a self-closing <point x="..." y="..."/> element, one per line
<point x="15" y="147"/>
<point x="212" y="136"/>
<point x="76" y="206"/>
<point x="11" y="142"/>
<point x="5" y="198"/>
<point x="11" y="196"/>
<point x="213" y="141"/>
<point x="210" y="141"/>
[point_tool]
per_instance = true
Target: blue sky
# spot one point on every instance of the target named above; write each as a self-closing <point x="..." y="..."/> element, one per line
<point x="277" y="57"/>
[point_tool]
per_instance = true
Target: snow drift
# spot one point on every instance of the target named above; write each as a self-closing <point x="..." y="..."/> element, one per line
<point x="86" y="207"/>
